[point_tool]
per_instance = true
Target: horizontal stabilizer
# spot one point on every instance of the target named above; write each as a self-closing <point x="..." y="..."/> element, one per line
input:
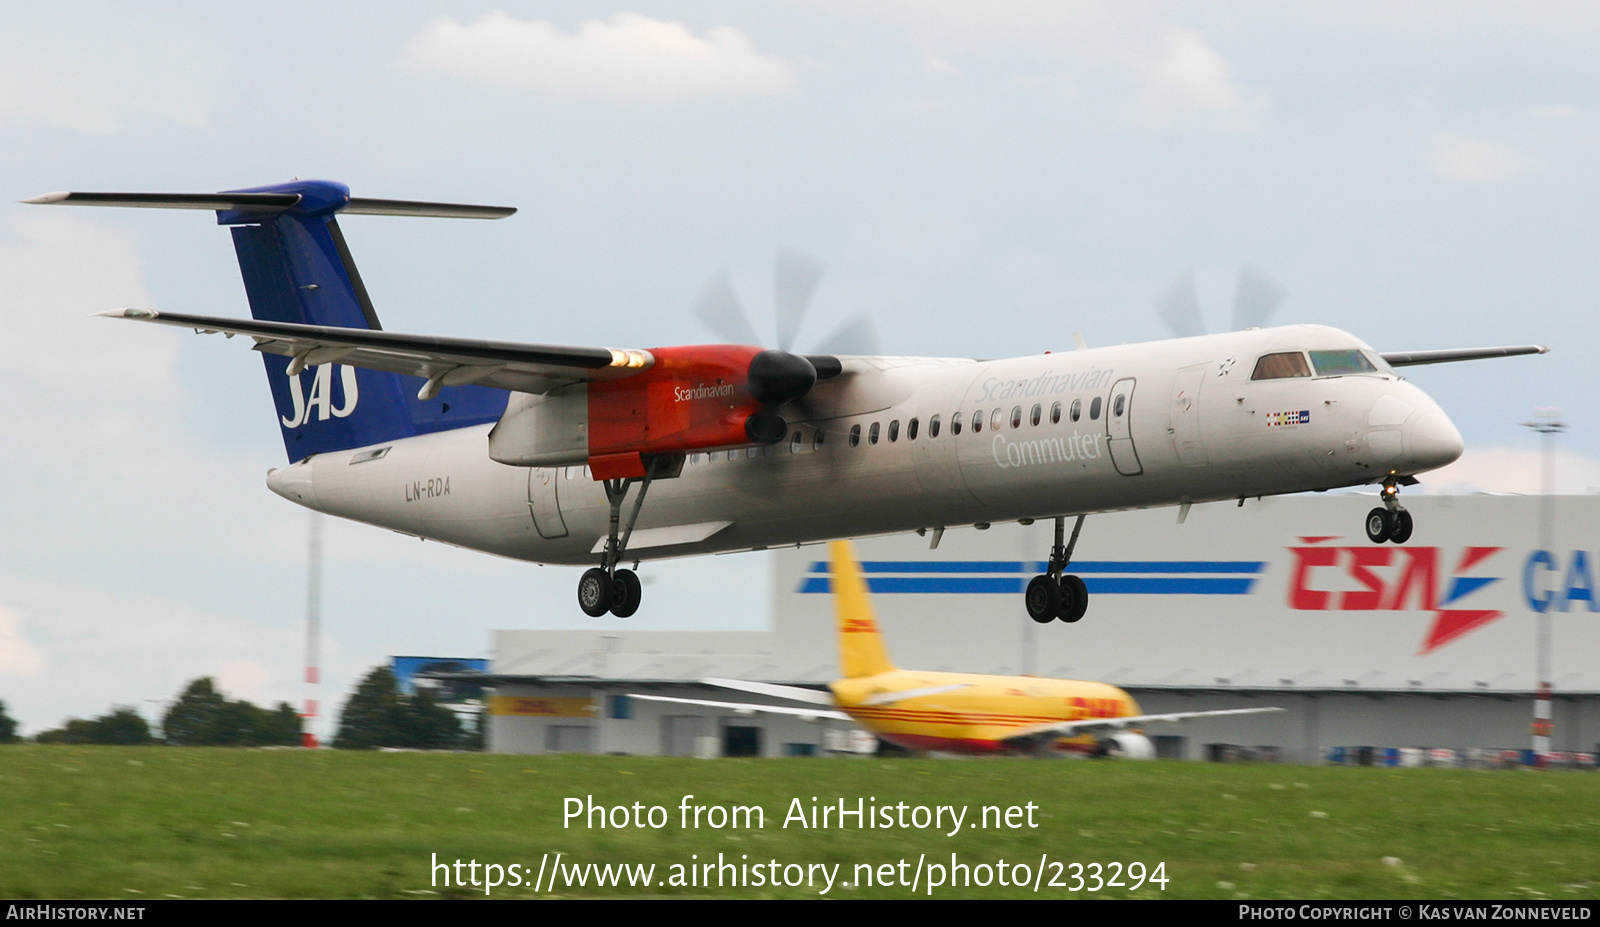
<point x="529" y="368"/>
<point x="268" y="203"/>
<point x="1414" y="358"/>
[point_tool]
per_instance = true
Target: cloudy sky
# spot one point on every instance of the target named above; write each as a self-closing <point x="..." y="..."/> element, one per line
<point x="984" y="179"/>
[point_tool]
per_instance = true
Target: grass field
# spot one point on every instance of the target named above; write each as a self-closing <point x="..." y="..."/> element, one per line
<point x="152" y="822"/>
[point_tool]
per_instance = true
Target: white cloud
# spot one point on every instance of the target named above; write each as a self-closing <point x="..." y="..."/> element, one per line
<point x="1186" y="73"/>
<point x="1456" y="157"/>
<point x="629" y="56"/>
<point x="17" y="656"/>
<point x="1513" y="470"/>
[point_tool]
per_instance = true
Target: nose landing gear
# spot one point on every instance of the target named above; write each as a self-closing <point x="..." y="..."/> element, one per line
<point x="1391" y="522"/>
<point x="1052" y="596"/>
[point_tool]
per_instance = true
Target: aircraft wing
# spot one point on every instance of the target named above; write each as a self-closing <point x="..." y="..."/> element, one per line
<point x="1095" y="725"/>
<point x="527" y="368"/>
<point x="745" y="709"/>
<point x="1413" y="358"/>
<point x="792" y="693"/>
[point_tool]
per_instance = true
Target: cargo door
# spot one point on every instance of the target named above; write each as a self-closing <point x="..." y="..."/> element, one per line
<point x="544" y="503"/>
<point x="1185" y="419"/>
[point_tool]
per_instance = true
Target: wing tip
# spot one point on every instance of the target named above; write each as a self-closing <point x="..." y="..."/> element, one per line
<point x="47" y="199"/>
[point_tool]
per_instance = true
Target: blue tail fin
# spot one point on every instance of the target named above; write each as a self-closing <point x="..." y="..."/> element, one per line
<point x="297" y="268"/>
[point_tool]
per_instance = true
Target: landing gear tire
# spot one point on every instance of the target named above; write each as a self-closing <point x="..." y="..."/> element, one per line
<point x="595" y="592"/>
<point x="1043" y="599"/>
<point x="1074" y="599"/>
<point x="1381" y="525"/>
<point x="625" y="593"/>
<point x="1400" y="530"/>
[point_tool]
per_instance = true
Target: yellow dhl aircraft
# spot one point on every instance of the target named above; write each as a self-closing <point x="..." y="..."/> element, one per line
<point x="954" y="712"/>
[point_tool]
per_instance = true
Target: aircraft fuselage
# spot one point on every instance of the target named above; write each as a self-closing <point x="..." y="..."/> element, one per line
<point x="1099" y="430"/>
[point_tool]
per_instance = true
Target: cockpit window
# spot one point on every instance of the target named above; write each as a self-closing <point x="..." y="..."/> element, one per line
<point x="1341" y="363"/>
<point x="1283" y="365"/>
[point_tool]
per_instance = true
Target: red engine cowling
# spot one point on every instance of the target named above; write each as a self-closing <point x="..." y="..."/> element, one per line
<point x="693" y="398"/>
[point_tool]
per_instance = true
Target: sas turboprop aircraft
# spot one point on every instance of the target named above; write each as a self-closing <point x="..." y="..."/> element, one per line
<point x="530" y="451"/>
<point x="954" y="712"/>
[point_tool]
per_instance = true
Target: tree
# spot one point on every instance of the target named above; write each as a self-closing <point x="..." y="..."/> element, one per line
<point x="196" y="718"/>
<point x="379" y="715"/>
<point x="202" y="716"/>
<point x="8" y="726"/>
<point x="123" y="726"/>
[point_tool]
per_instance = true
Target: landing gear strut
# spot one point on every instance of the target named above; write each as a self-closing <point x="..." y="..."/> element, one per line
<point x="1392" y="522"/>
<point x="1052" y="596"/>
<point x="606" y="588"/>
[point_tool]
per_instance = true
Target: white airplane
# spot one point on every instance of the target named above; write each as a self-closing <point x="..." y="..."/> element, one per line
<point x="530" y="451"/>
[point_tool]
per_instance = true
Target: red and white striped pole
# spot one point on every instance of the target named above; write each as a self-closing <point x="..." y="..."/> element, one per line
<point x="308" y="718"/>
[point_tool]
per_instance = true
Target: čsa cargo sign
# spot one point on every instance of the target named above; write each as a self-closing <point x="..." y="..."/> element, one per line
<point x="1365" y="577"/>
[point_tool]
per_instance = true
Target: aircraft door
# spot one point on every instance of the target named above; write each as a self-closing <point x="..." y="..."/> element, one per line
<point x="1118" y="434"/>
<point x="543" y="502"/>
<point x="1186" y="438"/>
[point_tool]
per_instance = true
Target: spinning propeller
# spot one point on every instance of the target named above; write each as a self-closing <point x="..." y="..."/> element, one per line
<point x="779" y="376"/>
<point x="1255" y="297"/>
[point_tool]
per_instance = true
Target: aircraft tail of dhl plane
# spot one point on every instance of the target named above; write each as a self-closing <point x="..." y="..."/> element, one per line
<point x="954" y="712"/>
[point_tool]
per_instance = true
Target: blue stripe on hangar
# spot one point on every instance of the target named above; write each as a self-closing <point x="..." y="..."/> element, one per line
<point x="1103" y="577"/>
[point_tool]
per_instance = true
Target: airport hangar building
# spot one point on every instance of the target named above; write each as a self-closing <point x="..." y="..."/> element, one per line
<point x="1276" y="602"/>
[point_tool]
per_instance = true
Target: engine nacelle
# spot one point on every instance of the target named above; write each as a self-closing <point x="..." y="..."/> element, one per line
<point x="693" y="398"/>
<point x="1128" y="745"/>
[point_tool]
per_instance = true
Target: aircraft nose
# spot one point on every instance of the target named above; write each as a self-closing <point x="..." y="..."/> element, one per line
<point x="1432" y="440"/>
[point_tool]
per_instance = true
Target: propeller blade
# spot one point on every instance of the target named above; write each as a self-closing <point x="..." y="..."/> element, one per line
<point x="857" y="336"/>
<point x="795" y="276"/>
<point x="719" y="308"/>
<point x="1178" y="305"/>
<point x="1256" y="298"/>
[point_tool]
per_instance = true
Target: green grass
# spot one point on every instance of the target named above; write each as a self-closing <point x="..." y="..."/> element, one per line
<point x="150" y="822"/>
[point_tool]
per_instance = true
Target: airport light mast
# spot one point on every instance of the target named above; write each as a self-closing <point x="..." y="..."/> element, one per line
<point x="1547" y="422"/>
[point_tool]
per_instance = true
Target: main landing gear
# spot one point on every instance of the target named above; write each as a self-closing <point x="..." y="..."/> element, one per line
<point x="1391" y="522"/>
<point x="1052" y="596"/>
<point x="606" y="588"/>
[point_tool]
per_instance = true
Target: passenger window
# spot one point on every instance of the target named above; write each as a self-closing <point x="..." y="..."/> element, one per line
<point x="694" y="459"/>
<point x="1016" y="416"/>
<point x="872" y="434"/>
<point x="911" y="430"/>
<point x="1038" y="410"/>
<point x="794" y="443"/>
<point x="1055" y="413"/>
<point x="955" y="424"/>
<point x="894" y="431"/>
<point x="855" y="435"/>
<point x="1281" y="366"/>
<point x="1077" y="409"/>
<point x="977" y="421"/>
<point x="933" y="427"/>
<point x="586" y="472"/>
<point x="816" y="440"/>
<point x="1118" y="404"/>
<point x="1094" y="409"/>
<point x="1340" y="363"/>
<point x="994" y="419"/>
<point x="733" y="454"/>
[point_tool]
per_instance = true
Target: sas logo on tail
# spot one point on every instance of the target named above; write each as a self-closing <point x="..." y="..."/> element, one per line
<point x="1393" y="579"/>
<point x="321" y="401"/>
